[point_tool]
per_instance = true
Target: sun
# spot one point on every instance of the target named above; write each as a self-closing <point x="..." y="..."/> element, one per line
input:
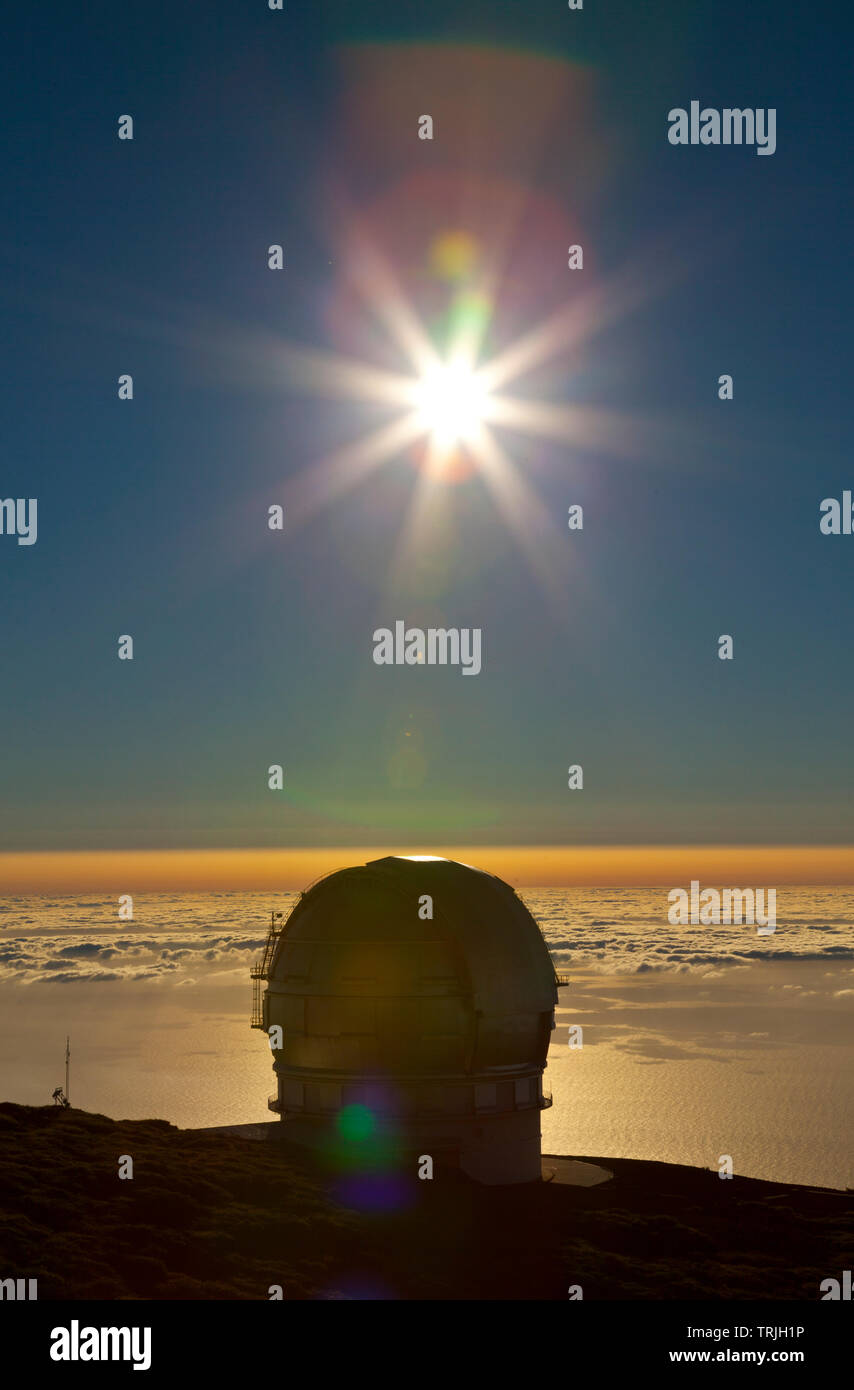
<point x="446" y="409"/>
<point x="451" y="403"/>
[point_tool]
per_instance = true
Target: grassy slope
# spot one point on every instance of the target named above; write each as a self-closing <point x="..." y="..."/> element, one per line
<point x="209" y="1216"/>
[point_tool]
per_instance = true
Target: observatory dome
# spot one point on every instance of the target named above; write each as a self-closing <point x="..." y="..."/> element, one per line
<point x="423" y="990"/>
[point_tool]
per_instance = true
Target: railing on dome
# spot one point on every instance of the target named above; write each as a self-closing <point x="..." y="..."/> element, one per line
<point x="260" y="969"/>
<point x="546" y="1098"/>
<point x="273" y="1102"/>
<point x="561" y="979"/>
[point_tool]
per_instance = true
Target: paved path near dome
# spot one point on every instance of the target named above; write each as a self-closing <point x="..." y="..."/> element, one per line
<point x="573" y="1172"/>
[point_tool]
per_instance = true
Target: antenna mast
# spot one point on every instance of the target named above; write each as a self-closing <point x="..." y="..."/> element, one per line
<point x="67" y="1064"/>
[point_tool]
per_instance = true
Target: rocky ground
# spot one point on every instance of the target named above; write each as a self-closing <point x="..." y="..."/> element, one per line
<point x="218" y="1216"/>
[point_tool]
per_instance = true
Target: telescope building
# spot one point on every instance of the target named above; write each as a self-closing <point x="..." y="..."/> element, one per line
<point x="422" y="990"/>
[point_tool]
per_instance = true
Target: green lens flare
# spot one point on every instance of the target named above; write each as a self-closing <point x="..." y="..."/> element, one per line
<point x="356" y="1123"/>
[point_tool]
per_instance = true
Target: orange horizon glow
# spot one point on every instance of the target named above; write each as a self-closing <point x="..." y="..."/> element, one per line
<point x="285" y="870"/>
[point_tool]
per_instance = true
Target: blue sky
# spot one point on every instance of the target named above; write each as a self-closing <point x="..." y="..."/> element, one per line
<point x="253" y="648"/>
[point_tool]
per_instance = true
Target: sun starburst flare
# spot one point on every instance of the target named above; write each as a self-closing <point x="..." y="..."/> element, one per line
<point x="450" y="406"/>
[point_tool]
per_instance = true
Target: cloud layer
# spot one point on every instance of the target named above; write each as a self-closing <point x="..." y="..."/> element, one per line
<point x="179" y="938"/>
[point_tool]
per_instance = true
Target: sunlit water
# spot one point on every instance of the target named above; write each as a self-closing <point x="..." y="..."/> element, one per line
<point x="698" y="1041"/>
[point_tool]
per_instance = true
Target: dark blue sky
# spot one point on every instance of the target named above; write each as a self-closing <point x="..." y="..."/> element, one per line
<point x="252" y="648"/>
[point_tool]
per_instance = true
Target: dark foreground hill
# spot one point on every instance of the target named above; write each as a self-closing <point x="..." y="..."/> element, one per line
<point x="212" y="1216"/>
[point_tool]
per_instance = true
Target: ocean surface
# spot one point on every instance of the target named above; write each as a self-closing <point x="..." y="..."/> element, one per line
<point x="699" y="1042"/>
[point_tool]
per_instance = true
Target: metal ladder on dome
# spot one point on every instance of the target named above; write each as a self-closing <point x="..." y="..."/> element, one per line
<point x="260" y="969"/>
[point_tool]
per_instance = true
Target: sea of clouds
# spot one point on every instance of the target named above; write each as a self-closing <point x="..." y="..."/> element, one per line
<point x="180" y="938"/>
<point x="626" y="931"/>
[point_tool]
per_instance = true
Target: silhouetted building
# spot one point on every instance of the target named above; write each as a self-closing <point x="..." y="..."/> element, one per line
<point x="421" y="989"/>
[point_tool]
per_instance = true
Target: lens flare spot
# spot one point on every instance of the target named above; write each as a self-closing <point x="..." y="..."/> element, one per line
<point x="454" y="255"/>
<point x="356" y="1123"/>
